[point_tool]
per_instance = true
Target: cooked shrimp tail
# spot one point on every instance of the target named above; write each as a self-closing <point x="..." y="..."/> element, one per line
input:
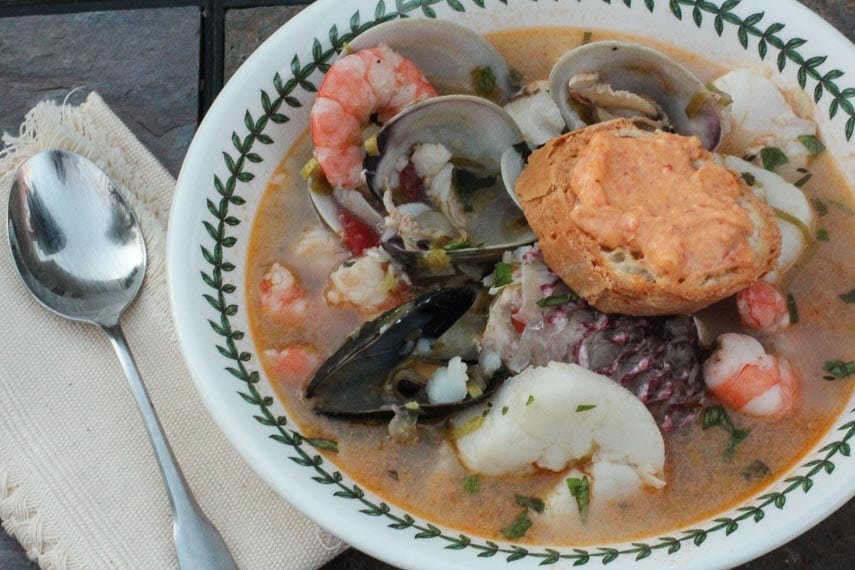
<point x="746" y="379"/>
<point x="368" y="82"/>
<point x="762" y="308"/>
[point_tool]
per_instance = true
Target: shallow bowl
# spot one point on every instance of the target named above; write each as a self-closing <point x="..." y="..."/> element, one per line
<point x="251" y="126"/>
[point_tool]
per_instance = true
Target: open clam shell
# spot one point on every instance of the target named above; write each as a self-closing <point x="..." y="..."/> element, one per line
<point x="477" y="133"/>
<point x="452" y="57"/>
<point x="364" y="376"/>
<point x="640" y="70"/>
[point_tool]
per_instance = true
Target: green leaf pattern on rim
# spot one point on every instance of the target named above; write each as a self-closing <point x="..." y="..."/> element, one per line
<point x="285" y="93"/>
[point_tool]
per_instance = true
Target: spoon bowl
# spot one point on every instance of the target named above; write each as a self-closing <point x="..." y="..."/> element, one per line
<point x="76" y="243"/>
<point x="80" y="252"/>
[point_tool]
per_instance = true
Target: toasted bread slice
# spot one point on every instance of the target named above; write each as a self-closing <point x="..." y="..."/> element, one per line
<point x="617" y="279"/>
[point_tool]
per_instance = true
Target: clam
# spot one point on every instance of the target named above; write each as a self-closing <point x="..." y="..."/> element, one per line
<point x="455" y="59"/>
<point x="385" y="365"/>
<point x="457" y="141"/>
<point x="608" y="79"/>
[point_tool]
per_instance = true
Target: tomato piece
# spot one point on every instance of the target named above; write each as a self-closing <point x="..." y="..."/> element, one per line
<point x="410" y="186"/>
<point x="519" y="326"/>
<point x="356" y="234"/>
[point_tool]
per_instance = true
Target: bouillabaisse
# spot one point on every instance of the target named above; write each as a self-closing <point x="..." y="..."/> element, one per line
<point x="308" y="288"/>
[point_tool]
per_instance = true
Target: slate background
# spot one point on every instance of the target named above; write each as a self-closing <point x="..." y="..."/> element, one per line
<point x="145" y="63"/>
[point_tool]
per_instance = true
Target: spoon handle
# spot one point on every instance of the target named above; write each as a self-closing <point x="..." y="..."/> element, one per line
<point x="197" y="542"/>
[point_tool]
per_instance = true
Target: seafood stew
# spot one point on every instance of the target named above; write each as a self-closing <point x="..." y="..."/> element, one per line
<point x="481" y="390"/>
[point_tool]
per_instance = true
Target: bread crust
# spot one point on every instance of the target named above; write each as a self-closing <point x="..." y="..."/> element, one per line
<point x="611" y="280"/>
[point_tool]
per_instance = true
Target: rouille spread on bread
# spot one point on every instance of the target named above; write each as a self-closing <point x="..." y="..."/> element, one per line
<point x="645" y="223"/>
<point x="647" y="195"/>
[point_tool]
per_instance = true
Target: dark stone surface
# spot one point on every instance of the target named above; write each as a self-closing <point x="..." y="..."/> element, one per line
<point x="247" y="28"/>
<point x="144" y="63"/>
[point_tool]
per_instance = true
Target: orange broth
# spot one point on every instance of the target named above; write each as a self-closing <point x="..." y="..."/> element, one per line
<point x="425" y="477"/>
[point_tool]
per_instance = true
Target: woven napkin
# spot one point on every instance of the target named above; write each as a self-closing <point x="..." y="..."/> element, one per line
<point x="79" y="486"/>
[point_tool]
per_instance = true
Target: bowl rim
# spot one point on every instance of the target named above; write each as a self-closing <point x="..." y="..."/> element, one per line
<point x="199" y="152"/>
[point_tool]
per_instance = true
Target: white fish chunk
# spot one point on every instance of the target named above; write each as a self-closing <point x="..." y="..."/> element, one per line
<point x="536" y="114"/>
<point x="787" y="199"/>
<point x="559" y="415"/>
<point x="762" y="117"/>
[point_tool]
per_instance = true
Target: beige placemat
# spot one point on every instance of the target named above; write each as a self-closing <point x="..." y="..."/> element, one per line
<point x="79" y="486"/>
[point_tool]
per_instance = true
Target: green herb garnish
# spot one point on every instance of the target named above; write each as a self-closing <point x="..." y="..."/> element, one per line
<point x="580" y="490"/>
<point x="484" y="82"/>
<point x="822" y="235"/>
<point x="716" y="416"/>
<point x="792" y="308"/>
<point x="469" y="426"/>
<point x="749" y="178"/>
<point x="840" y="205"/>
<point x="556" y="300"/>
<point x="320" y="443"/>
<point x="518" y="527"/>
<point x="772" y="157"/>
<point x="472" y="484"/>
<point x="530" y="400"/>
<point x="696" y="103"/>
<point x="848" y="297"/>
<point x="812" y="143"/>
<point x="585" y="407"/>
<point x="756" y="470"/>
<point x="504" y="274"/>
<point x="839" y="369"/>
<point x="535" y="504"/>
<point x="504" y="410"/>
<point x="791" y="219"/>
<point x="803" y="180"/>
<point x="820" y="207"/>
<point x="586" y="37"/>
<point x="455" y="245"/>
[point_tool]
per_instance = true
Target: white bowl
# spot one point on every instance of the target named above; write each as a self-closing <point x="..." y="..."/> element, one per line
<point x="218" y="194"/>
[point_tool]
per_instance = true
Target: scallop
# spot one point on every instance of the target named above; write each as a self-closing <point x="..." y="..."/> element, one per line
<point x="455" y="59"/>
<point x="617" y="78"/>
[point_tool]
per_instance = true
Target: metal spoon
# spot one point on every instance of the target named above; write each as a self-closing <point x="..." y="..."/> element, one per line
<point x="80" y="252"/>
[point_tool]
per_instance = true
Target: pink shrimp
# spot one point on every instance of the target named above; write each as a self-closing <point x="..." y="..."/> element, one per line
<point x="746" y="379"/>
<point x="293" y="364"/>
<point x="282" y="297"/>
<point x="762" y="308"/>
<point x="373" y="80"/>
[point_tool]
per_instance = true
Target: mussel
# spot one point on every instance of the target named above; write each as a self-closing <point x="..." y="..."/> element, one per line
<point x="607" y="79"/>
<point x="384" y="366"/>
<point x="455" y="59"/>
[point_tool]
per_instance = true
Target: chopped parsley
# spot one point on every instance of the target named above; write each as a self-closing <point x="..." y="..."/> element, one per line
<point x="580" y="490"/>
<point x="772" y="157"/>
<point x="716" y="416"/>
<point x="820" y="207"/>
<point x="517" y="79"/>
<point x="535" y="504"/>
<point x="585" y="407"/>
<point x="455" y="245"/>
<point x="484" y="82"/>
<point x="504" y="274"/>
<point x="472" y="484"/>
<point x="814" y="146"/>
<point x="848" y="297"/>
<point x="843" y="207"/>
<point x="556" y="300"/>
<point x="749" y="178"/>
<point x="822" y="235"/>
<point x="530" y="400"/>
<point x="504" y="410"/>
<point x="320" y="443"/>
<point x="839" y="369"/>
<point x="518" y="527"/>
<point x="586" y="37"/>
<point x="792" y="308"/>
<point x="803" y="180"/>
<point x="756" y="470"/>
